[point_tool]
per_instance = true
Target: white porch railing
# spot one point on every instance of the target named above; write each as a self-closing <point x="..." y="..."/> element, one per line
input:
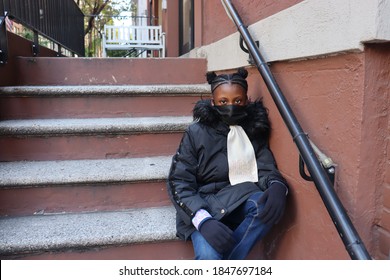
<point x="134" y="37"/>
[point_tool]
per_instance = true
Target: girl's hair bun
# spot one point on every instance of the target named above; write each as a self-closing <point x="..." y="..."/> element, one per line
<point x="210" y="77"/>
<point x="242" y="72"/>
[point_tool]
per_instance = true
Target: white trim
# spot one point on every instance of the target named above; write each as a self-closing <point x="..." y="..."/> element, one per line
<point x="311" y="28"/>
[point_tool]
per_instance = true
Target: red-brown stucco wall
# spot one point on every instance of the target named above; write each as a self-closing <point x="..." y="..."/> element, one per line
<point x="326" y="98"/>
<point x="18" y="46"/>
<point x="374" y="177"/>
<point x="341" y="102"/>
<point x="250" y="11"/>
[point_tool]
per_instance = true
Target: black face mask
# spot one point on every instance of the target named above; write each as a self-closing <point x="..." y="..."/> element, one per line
<point x="232" y="114"/>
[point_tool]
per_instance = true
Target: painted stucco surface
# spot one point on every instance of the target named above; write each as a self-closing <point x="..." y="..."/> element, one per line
<point x="307" y="29"/>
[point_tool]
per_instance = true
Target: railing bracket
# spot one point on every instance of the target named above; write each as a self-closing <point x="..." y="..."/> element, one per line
<point x="251" y="61"/>
<point x="330" y="171"/>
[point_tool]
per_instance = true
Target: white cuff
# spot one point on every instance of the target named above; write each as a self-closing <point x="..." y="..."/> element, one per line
<point x="199" y="217"/>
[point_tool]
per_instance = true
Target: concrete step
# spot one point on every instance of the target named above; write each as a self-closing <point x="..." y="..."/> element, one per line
<point x="78" y="185"/>
<point x="36" y="173"/>
<point x="105" y="90"/>
<point x="97" y="138"/>
<point x="30" y="187"/>
<point x="130" y="234"/>
<point x="48" y="127"/>
<point x="35" y="102"/>
<point x="95" y="232"/>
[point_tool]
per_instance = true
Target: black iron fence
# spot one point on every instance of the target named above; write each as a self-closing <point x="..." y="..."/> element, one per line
<point x="60" y="21"/>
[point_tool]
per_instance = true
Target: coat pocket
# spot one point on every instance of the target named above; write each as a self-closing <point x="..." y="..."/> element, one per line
<point x="216" y="207"/>
<point x="212" y="188"/>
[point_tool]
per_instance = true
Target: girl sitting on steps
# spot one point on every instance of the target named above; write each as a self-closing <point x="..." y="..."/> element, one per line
<point x="223" y="181"/>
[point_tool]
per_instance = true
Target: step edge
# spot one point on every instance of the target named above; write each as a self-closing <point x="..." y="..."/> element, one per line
<point x="106" y="90"/>
<point x="94" y="126"/>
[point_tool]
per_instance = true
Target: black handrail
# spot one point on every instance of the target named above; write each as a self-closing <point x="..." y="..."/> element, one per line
<point x="60" y="21"/>
<point x="344" y="226"/>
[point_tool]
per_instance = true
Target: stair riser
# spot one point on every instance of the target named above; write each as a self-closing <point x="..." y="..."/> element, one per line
<point x="82" y="198"/>
<point x="88" y="146"/>
<point x="116" y="71"/>
<point x="90" y="107"/>
<point x="165" y="250"/>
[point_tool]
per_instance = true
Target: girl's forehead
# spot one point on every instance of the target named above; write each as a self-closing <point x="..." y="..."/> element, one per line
<point x="229" y="90"/>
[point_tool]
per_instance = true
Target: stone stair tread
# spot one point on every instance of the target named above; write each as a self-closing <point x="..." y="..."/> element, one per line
<point x="105" y="90"/>
<point x="94" y="125"/>
<point x="81" y="230"/>
<point x="33" y="173"/>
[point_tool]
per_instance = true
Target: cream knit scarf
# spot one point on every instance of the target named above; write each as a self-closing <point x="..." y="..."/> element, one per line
<point x="241" y="157"/>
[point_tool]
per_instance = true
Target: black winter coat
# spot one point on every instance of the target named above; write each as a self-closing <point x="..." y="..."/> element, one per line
<point x="198" y="178"/>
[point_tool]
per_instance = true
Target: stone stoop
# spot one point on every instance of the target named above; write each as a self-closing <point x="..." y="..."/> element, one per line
<point x="83" y="170"/>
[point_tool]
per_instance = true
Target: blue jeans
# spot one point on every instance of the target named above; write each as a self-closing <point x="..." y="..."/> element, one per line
<point x="249" y="230"/>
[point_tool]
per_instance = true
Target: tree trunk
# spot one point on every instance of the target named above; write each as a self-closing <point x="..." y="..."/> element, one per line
<point x="95" y="12"/>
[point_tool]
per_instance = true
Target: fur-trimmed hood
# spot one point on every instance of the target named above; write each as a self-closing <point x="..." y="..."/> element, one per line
<point x="256" y="124"/>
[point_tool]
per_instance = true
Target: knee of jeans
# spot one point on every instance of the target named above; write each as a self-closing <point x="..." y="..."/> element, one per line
<point x="253" y="206"/>
<point x="202" y="249"/>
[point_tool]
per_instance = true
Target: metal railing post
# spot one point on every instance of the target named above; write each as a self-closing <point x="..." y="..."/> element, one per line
<point x="3" y="35"/>
<point x="35" y="44"/>
<point x="344" y="226"/>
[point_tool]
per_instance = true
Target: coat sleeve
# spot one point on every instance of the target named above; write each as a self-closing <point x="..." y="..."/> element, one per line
<point x="182" y="180"/>
<point x="267" y="168"/>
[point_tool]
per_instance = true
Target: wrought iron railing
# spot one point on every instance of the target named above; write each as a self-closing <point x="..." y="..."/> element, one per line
<point x="60" y="21"/>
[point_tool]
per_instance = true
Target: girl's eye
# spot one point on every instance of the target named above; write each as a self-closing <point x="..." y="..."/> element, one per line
<point x="238" y="101"/>
<point x="222" y="101"/>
